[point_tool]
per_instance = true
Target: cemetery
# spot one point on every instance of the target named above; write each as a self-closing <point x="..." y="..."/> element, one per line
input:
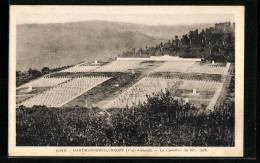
<point x="46" y="82"/>
<point x="86" y="85"/>
<point x="177" y="93"/>
<point x="148" y="86"/>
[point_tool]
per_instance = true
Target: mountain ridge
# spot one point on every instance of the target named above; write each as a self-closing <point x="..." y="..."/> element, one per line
<point x="60" y="44"/>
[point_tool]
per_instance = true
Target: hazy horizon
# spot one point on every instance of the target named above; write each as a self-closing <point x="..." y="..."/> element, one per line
<point x="107" y="21"/>
<point x="57" y="19"/>
<point x="145" y="15"/>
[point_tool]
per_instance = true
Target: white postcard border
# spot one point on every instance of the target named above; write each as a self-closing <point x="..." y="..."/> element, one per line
<point x="236" y="151"/>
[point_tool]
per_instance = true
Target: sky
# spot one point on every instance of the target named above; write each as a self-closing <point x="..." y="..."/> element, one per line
<point x="148" y="15"/>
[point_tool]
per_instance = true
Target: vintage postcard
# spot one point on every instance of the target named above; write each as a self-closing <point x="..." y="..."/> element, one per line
<point x="126" y="81"/>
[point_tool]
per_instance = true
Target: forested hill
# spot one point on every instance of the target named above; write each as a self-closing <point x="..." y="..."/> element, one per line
<point x="57" y="45"/>
<point x="214" y="43"/>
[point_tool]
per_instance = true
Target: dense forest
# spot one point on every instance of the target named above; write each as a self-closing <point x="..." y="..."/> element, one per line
<point x="214" y="43"/>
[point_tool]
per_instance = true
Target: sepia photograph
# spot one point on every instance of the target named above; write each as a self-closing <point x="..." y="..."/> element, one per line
<point x="150" y="81"/>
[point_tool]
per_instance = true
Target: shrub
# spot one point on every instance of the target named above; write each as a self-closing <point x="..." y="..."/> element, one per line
<point x="161" y="121"/>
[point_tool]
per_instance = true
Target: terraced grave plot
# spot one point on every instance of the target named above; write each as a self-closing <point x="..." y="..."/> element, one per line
<point x="20" y="98"/>
<point x="81" y="68"/>
<point x="147" y="86"/>
<point x="117" y="66"/>
<point x="46" y="82"/>
<point x="207" y="69"/>
<point x="200" y="85"/>
<point x="63" y="93"/>
<point x="137" y="93"/>
<point x="24" y="95"/>
<point x="189" y="76"/>
<point x="175" y="66"/>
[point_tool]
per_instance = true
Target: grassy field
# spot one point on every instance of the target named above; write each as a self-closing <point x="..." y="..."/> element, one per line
<point x="201" y="99"/>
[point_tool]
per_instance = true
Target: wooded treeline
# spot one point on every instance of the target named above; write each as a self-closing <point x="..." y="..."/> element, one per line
<point x="24" y="77"/>
<point x="214" y="43"/>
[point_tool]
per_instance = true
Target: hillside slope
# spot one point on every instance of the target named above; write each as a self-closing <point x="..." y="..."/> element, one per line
<point x="55" y="45"/>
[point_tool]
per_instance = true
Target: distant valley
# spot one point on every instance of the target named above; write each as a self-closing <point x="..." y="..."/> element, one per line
<point x="56" y="45"/>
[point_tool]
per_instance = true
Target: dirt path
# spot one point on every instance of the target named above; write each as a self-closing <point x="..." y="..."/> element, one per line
<point x="221" y="92"/>
<point x="214" y="98"/>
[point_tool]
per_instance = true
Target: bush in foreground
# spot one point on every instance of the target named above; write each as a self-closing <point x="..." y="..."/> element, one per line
<point x="162" y="121"/>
